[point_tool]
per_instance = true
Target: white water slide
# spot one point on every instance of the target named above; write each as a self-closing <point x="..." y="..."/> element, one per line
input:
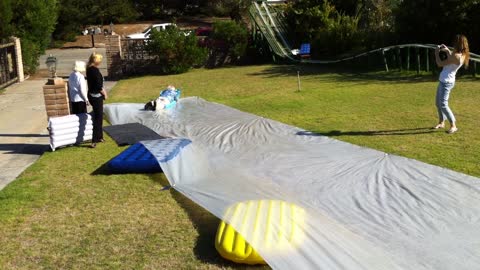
<point x="362" y="209"/>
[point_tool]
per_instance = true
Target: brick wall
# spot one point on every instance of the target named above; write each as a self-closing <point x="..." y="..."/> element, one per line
<point x="56" y="99"/>
<point x="114" y="56"/>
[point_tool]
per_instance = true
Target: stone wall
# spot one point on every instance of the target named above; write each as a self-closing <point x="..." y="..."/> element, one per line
<point x="114" y="56"/>
<point x="55" y="93"/>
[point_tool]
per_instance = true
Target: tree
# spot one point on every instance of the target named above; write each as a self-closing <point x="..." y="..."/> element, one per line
<point x="71" y="19"/>
<point x="437" y="21"/>
<point x="320" y="23"/>
<point x="377" y="22"/>
<point x="174" y="51"/>
<point x="74" y="15"/>
<point x="236" y="9"/>
<point x="148" y="9"/>
<point x="33" y="22"/>
<point x="377" y="15"/>
<point x="6" y="16"/>
<point x="233" y="36"/>
<point x="116" y="11"/>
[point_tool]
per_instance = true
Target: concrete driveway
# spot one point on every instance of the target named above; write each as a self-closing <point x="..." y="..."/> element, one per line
<point x="67" y="57"/>
<point x="23" y="133"/>
<point x="23" y="119"/>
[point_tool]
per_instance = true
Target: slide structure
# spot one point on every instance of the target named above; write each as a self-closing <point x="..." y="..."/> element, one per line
<point x="269" y="21"/>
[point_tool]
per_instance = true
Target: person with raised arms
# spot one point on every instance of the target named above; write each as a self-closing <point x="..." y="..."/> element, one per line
<point x="450" y="65"/>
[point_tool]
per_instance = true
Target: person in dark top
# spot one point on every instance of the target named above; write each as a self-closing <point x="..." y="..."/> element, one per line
<point x="96" y="95"/>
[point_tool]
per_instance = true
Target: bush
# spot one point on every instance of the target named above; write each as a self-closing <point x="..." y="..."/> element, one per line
<point x="6" y="16"/>
<point x="438" y="21"/>
<point x="231" y="37"/>
<point x="74" y="15"/>
<point x="330" y="31"/>
<point x="174" y="51"/>
<point x="33" y="22"/>
<point x="235" y="9"/>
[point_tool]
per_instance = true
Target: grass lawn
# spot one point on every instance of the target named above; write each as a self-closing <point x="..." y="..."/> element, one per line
<point x="66" y="212"/>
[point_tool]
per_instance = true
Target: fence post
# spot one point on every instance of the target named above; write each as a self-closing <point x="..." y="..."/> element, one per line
<point x="474" y="69"/>
<point x="427" y="61"/>
<point x="417" y="53"/>
<point x="19" y="59"/>
<point x="399" y="58"/>
<point x="114" y="56"/>
<point x="385" y="60"/>
<point x="394" y="58"/>
<point x="368" y="61"/>
<point x="408" y="58"/>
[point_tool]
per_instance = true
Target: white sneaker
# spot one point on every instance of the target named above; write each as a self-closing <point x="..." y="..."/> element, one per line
<point x="439" y="126"/>
<point x="452" y="130"/>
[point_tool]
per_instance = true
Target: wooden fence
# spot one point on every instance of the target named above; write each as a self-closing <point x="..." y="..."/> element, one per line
<point x="8" y="64"/>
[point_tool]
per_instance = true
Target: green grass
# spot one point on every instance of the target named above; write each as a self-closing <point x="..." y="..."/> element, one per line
<point x="67" y="212"/>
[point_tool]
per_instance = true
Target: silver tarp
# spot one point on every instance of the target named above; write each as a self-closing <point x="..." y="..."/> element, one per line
<point x="364" y="209"/>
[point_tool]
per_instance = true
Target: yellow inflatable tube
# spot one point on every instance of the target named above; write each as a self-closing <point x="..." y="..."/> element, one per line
<point x="273" y="225"/>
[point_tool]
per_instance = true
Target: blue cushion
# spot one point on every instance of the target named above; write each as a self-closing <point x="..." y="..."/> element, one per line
<point x="135" y="159"/>
<point x="305" y="48"/>
<point x="166" y="149"/>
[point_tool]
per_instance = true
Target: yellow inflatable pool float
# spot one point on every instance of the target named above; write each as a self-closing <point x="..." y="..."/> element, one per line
<point x="272" y="225"/>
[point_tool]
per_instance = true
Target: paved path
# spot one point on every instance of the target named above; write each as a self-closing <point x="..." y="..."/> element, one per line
<point x="66" y="58"/>
<point x="23" y="133"/>
<point x="23" y="119"/>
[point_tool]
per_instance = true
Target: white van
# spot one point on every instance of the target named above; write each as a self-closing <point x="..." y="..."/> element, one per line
<point x="146" y="33"/>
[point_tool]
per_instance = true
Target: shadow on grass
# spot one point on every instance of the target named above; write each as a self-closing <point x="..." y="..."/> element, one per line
<point x="395" y="132"/>
<point x="206" y="225"/>
<point x="102" y="170"/>
<point x="344" y="74"/>
<point x="106" y="170"/>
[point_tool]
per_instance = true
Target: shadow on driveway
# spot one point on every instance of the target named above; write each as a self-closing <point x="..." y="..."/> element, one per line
<point x="24" y="148"/>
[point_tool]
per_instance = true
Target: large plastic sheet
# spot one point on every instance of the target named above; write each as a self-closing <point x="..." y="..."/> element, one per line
<point x="364" y="209"/>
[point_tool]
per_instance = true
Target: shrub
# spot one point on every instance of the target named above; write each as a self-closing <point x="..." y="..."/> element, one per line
<point x="232" y="36"/>
<point x="329" y="31"/>
<point x="33" y="22"/>
<point x="6" y="16"/>
<point x="175" y="51"/>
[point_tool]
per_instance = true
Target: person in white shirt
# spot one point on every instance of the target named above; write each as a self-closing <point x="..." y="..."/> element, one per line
<point x="455" y="59"/>
<point x="77" y="89"/>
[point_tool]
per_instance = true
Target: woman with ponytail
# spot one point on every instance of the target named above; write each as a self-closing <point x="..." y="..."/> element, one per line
<point x="450" y="65"/>
<point x="96" y="95"/>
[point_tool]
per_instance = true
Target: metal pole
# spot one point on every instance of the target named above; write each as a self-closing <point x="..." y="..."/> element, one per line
<point x="93" y="41"/>
<point x="427" y="61"/>
<point x="408" y="58"/>
<point x="399" y="58"/>
<point x="298" y="79"/>
<point x="474" y="68"/>
<point x="417" y="53"/>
